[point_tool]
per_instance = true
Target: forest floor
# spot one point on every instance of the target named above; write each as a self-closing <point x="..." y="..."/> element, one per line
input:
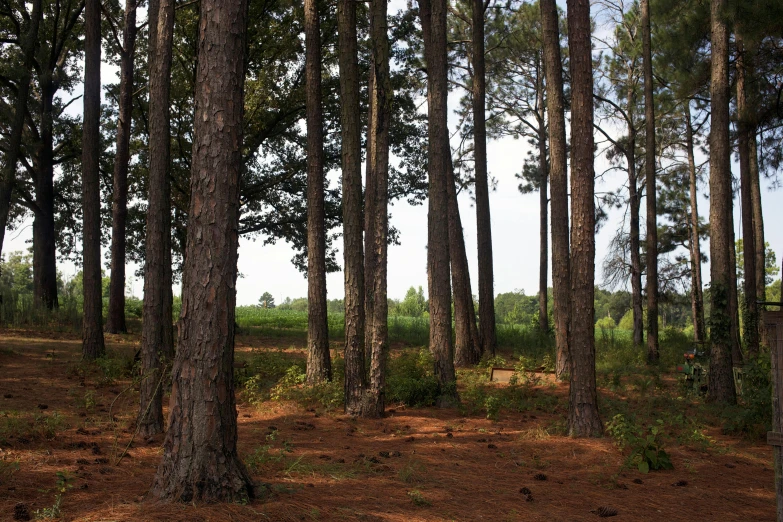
<point x="64" y="427"/>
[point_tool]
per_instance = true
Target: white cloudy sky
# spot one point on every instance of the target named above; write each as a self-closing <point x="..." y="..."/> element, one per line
<point x="268" y="268"/>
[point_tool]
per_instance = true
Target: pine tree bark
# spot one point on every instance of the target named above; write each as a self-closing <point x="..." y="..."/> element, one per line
<point x="736" y="343"/>
<point x="115" y="322"/>
<point x="200" y="461"/>
<point x="355" y="382"/>
<point x="92" y="325"/>
<point x="721" y="383"/>
<point x="370" y="194"/>
<point x="634" y="200"/>
<point x="744" y="135"/>
<point x="561" y="266"/>
<point x="697" y="293"/>
<point x="433" y="21"/>
<point x="11" y="157"/>
<point x="467" y="350"/>
<point x="483" y="220"/>
<point x="583" y="418"/>
<point x="652" y="213"/>
<point x="156" y="341"/>
<point x="319" y="365"/>
<point x="543" y="205"/>
<point x="381" y="96"/>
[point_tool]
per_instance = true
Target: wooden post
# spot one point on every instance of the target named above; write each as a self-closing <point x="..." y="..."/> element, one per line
<point x="773" y="322"/>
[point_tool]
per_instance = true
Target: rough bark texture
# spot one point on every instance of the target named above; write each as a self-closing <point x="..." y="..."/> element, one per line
<point x="634" y="201"/>
<point x="483" y="221"/>
<point x="736" y="344"/>
<point x="744" y="135"/>
<point x="370" y="195"/>
<point x="156" y="342"/>
<point x="319" y="365"/>
<point x="433" y="20"/>
<point x="561" y="267"/>
<point x="697" y="293"/>
<point x="583" y="418"/>
<point x="649" y="170"/>
<point x="44" y="248"/>
<point x="352" y="208"/>
<point x="200" y="461"/>
<point x="721" y="383"/>
<point x="467" y="350"/>
<point x="11" y="157"/>
<point x="543" y="205"/>
<point x="92" y="326"/>
<point x="381" y="96"/>
<point x="115" y="322"/>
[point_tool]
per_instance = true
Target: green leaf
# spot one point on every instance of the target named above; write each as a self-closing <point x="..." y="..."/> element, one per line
<point x="644" y="467"/>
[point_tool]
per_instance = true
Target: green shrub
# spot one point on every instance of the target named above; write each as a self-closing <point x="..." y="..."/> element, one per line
<point x="646" y="446"/>
<point x="752" y="416"/>
<point x="411" y="379"/>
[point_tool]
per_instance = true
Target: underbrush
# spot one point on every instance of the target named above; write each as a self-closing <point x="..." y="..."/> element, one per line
<point x="25" y="427"/>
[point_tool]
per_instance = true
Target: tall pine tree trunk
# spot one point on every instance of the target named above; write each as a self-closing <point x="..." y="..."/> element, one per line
<point x="758" y="232"/>
<point x="11" y="157"/>
<point x="744" y="136"/>
<point x="319" y="365"/>
<point x="115" y="322"/>
<point x="92" y="325"/>
<point x="379" y="123"/>
<point x="721" y="383"/>
<point x="467" y="350"/>
<point x="200" y="461"/>
<point x="736" y="344"/>
<point x="352" y="208"/>
<point x="697" y="294"/>
<point x="649" y="167"/>
<point x="483" y="221"/>
<point x="583" y="418"/>
<point x="561" y="267"/>
<point x="433" y="21"/>
<point x="543" y="206"/>
<point x="634" y="201"/>
<point x="155" y="339"/>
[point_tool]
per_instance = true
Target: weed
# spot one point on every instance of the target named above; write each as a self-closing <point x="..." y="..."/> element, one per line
<point x="413" y="472"/>
<point x="646" y="446"/>
<point x="62" y="485"/>
<point x="418" y="499"/>
<point x="8" y="469"/>
<point x="266" y="454"/>
<point x="411" y="379"/>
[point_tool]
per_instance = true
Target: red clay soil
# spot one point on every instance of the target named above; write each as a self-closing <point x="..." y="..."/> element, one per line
<point x="416" y="464"/>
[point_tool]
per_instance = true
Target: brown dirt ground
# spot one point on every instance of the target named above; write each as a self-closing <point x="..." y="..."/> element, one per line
<point x="458" y="467"/>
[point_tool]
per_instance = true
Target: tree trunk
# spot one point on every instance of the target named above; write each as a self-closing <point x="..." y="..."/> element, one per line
<point x="44" y="248"/>
<point x="736" y="344"/>
<point x="8" y="173"/>
<point x="697" y="294"/>
<point x="467" y="350"/>
<point x="634" y="200"/>
<point x="319" y="365"/>
<point x="483" y="221"/>
<point x="155" y="339"/>
<point x="721" y="383"/>
<point x="758" y="233"/>
<point x="370" y="194"/>
<point x="652" y="213"/>
<point x="543" y="205"/>
<point x="352" y="208"/>
<point x="381" y="96"/>
<point x="744" y="136"/>
<point x="433" y="21"/>
<point x="115" y="323"/>
<point x="200" y="461"/>
<point x="92" y="326"/>
<point x="561" y="267"/>
<point x="583" y="418"/>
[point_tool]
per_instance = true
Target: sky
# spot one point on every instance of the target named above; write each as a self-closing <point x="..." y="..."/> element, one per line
<point x="515" y="233"/>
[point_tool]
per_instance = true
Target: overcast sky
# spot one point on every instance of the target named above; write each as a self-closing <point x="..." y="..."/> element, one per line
<point x="515" y="234"/>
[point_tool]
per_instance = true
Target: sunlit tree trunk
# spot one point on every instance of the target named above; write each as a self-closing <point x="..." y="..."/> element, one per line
<point x="561" y="271"/>
<point x="583" y="418"/>
<point x="697" y="294"/>
<point x="319" y="365"/>
<point x="200" y="461"/>
<point x="352" y="208"/>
